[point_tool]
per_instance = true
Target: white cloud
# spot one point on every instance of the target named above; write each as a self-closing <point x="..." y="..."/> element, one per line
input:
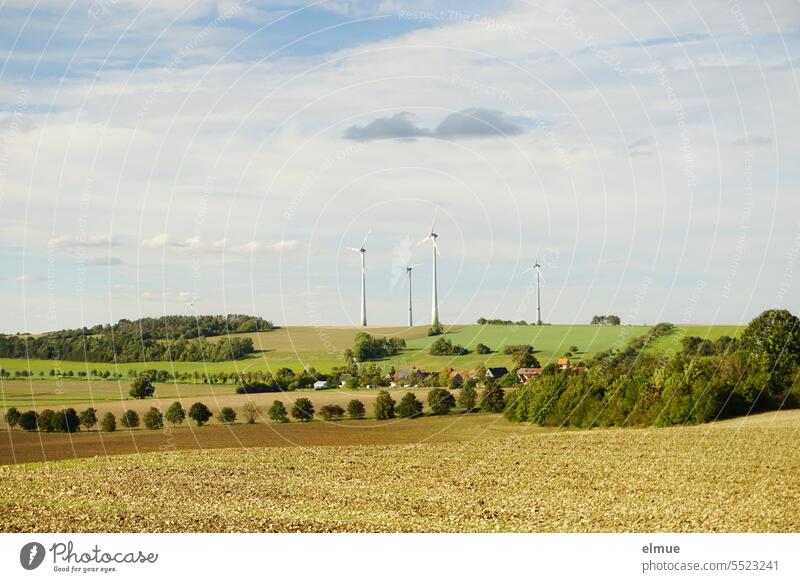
<point x="30" y="279"/>
<point x="196" y="245"/>
<point x="70" y="242"/>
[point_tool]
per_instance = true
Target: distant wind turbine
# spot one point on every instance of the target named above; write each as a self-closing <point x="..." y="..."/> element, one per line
<point x="410" y="313"/>
<point x="435" y="251"/>
<point x="537" y="268"/>
<point x="363" y="251"/>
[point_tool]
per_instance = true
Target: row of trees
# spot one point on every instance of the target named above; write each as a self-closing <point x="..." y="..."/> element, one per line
<point x="634" y="387"/>
<point x="69" y="420"/>
<point x="606" y="320"/>
<point x="440" y="401"/>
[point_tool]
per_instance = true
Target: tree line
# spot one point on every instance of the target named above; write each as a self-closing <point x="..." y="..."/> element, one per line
<point x="168" y="338"/>
<point x="703" y="381"/>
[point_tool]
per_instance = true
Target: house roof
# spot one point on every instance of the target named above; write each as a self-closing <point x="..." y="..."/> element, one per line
<point x="530" y="371"/>
<point x="499" y="371"/>
<point x="563" y="361"/>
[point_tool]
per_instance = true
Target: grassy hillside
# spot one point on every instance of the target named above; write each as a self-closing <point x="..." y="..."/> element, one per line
<point x="322" y="347"/>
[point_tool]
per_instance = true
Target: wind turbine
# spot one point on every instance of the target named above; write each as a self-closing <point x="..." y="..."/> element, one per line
<point x="363" y="251"/>
<point x="538" y="269"/>
<point x="410" y="314"/>
<point x="435" y="251"/>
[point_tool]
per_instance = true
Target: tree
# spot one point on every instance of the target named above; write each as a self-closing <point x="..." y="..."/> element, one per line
<point x="409" y="406"/>
<point x="129" y="419"/>
<point x="88" y="417"/>
<point x="384" y="406"/>
<point x="525" y="359"/>
<point x="303" y="410"/>
<point x="29" y="420"/>
<point x="468" y="397"/>
<point x="175" y="414"/>
<point x="444" y="347"/>
<point x="142" y="386"/>
<point x="435" y="329"/>
<point x="109" y="423"/>
<point x="331" y="412"/>
<point x="153" y="419"/>
<point x="12" y="417"/>
<point x="200" y="413"/>
<point x="441" y="401"/>
<point x="65" y="421"/>
<point x="277" y="412"/>
<point x="45" y="420"/>
<point x="227" y="415"/>
<point x="250" y="412"/>
<point x="493" y="399"/>
<point x="356" y="410"/>
<point x="774" y="337"/>
<point x="483" y="349"/>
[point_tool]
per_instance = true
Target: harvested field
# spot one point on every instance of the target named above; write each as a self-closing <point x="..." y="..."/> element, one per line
<point x="733" y="476"/>
<point x="17" y="446"/>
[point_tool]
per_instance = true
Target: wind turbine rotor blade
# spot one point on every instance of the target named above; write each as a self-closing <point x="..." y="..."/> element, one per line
<point x="436" y="246"/>
<point x="414" y="265"/>
<point x="353" y="249"/>
<point x="424" y="240"/>
<point x="528" y="270"/>
<point x="364" y="243"/>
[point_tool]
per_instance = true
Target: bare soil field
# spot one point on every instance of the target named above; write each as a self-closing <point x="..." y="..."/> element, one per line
<point x="733" y="476"/>
<point x="17" y="446"/>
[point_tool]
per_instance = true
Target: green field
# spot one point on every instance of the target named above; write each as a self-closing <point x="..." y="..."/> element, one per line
<point x="322" y="347"/>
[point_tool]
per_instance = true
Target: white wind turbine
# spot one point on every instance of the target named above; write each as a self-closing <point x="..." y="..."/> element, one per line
<point x="538" y="269"/>
<point x="363" y="251"/>
<point x="409" y="268"/>
<point x="435" y="251"/>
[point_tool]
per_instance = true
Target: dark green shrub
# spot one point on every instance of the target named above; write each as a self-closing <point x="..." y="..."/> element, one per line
<point x="409" y="406"/>
<point x="12" y="417"/>
<point x="356" y="410"/>
<point x="384" y="406"/>
<point x="277" y="412"/>
<point x="331" y="412"/>
<point x="46" y="420"/>
<point x="303" y="410"/>
<point x="227" y="415"/>
<point x="109" y="423"/>
<point x="175" y="414"/>
<point x="88" y="417"/>
<point x="483" y="349"/>
<point x="153" y="419"/>
<point x="142" y="386"/>
<point x="441" y="401"/>
<point x="493" y="399"/>
<point x="129" y="419"/>
<point x="200" y="413"/>
<point x="468" y="397"/>
<point x="29" y="420"/>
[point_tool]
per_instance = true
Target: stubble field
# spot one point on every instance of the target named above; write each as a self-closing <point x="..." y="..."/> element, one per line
<point x="734" y="476"/>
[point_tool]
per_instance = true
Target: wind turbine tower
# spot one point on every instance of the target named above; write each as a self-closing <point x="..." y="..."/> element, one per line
<point x="410" y="309"/>
<point x="435" y="251"/>
<point x="363" y="252"/>
<point x="537" y="268"/>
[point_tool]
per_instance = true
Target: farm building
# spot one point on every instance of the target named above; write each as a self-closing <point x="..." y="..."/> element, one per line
<point x="525" y="374"/>
<point x="320" y="385"/>
<point x="563" y="363"/>
<point x="496" y="373"/>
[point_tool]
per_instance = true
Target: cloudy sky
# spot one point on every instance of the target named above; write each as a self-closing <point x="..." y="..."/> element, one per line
<point x="226" y="153"/>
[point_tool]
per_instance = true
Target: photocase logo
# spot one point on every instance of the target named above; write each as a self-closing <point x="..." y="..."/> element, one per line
<point x="31" y="555"/>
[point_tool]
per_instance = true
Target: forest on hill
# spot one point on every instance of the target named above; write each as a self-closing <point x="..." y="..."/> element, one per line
<point x="170" y="337"/>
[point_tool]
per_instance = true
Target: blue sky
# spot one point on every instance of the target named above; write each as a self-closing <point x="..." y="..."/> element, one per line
<point x="225" y="153"/>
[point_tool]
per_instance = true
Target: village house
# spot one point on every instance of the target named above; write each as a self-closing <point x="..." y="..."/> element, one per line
<point x="525" y="374"/>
